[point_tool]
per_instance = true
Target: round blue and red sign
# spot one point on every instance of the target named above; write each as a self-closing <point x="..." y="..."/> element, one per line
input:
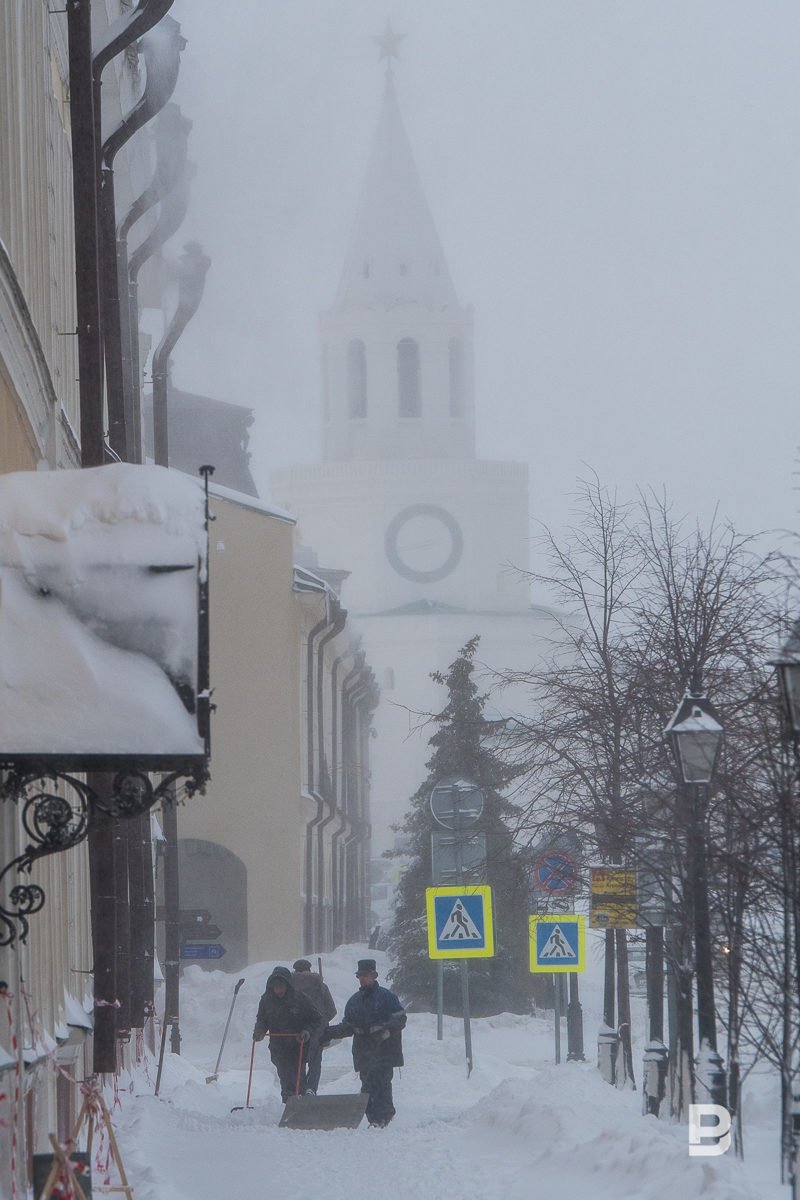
<point x="556" y="872"/>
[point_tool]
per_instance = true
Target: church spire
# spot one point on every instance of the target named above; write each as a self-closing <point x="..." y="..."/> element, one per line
<point x="395" y="256"/>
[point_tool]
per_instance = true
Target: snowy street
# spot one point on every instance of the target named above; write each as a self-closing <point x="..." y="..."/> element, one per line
<point x="520" y="1127"/>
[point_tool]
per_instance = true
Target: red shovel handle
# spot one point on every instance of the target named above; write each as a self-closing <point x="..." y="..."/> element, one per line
<point x="299" y="1062"/>
<point x="299" y="1069"/>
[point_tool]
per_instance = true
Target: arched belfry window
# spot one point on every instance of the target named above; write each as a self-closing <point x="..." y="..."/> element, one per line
<point x="456" y="378"/>
<point x="356" y="379"/>
<point x="409" y="400"/>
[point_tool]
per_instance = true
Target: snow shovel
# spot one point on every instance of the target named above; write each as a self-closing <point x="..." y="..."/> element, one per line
<point x="247" y="1104"/>
<point x="322" y="1112"/>
<point x="215" y="1076"/>
<point x="344" y="1111"/>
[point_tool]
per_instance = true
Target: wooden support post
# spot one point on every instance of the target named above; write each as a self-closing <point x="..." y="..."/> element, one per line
<point x="92" y="1102"/>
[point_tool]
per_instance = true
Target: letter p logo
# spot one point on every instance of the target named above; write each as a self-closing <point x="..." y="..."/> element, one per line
<point x="720" y="1130"/>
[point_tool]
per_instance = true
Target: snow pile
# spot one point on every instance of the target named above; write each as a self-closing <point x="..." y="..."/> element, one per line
<point x="98" y="610"/>
<point x="518" y="1127"/>
<point x="574" y="1126"/>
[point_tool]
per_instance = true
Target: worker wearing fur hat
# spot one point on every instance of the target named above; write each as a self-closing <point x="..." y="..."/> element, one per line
<point x="374" y="1017"/>
<point x="311" y="984"/>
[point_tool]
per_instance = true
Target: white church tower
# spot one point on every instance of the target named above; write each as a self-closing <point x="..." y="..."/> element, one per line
<point x="433" y="537"/>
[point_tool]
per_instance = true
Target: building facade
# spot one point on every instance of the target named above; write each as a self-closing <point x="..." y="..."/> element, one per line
<point x="277" y="849"/>
<point x="48" y="995"/>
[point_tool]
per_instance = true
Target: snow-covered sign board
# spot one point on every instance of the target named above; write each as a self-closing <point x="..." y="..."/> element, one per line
<point x="102" y="645"/>
<point x="460" y="921"/>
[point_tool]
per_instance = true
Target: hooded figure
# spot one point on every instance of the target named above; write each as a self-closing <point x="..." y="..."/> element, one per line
<point x="290" y="1019"/>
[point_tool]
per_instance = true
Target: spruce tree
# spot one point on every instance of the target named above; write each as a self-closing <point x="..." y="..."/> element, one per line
<point x="462" y="746"/>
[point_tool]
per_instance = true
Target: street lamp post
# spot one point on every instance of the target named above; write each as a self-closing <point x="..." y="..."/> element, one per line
<point x="787" y="665"/>
<point x="695" y="734"/>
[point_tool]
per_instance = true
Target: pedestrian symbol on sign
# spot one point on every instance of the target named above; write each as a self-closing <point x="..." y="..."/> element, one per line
<point x="556" y="947"/>
<point x="460" y="926"/>
<point x="460" y="921"/>
<point x="557" y="943"/>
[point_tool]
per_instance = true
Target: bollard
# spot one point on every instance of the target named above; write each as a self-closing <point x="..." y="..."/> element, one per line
<point x="607" y="1046"/>
<point x="654" y="1088"/>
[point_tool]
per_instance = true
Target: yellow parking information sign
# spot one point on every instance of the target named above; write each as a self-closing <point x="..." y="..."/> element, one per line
<point x="557" y="942"/>
<point x="460" y="923"/>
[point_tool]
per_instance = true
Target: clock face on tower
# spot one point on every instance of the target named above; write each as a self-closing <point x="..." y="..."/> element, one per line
<point x="424" y="543"/>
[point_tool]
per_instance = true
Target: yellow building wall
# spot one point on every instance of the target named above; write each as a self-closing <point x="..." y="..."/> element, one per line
<point x="253" y="804"/>
<point x="18" y="451"/>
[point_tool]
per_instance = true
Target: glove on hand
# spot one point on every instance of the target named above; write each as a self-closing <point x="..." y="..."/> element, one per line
<point x="303" y="1035"/>
<point x="258" y="1037"/>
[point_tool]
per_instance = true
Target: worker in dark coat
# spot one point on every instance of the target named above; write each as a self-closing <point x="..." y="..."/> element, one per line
<point x="311" y="984"/>
<point x="283" y="1012"/>
<point x="374" y="1017"/>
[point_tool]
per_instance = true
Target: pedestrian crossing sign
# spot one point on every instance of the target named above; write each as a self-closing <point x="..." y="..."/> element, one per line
<point x="460" y="921"/>
<point x="558" y="942"/>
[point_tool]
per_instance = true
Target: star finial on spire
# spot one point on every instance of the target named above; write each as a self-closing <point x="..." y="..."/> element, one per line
<point x="388" y="44"/>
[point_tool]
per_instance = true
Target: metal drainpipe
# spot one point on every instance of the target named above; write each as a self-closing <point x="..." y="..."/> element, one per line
<point x="336" y="808"/>
<point x="365" y="700"/>
<point x="193" y="267"/>
<point x="337" y="853"/>
<point x="162" y="59"/>
<point x="358" y="831"/>
<point x="87" y="255"/>
<point x="361" y="884"/>
<point x="85" y="69"/>
<point x="171" y="139"/>
<point x="339" y="618"/>
<point x="308" y="916"/>
<point x="342" y="875"/>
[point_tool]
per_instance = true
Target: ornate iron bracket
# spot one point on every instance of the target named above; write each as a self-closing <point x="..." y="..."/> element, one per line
<point x="57" y="811"/>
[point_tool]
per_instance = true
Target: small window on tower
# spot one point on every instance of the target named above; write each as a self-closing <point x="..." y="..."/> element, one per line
<point x="365" y="269"/>
<point x="456" y="378"/>
<point x="409" y="400"/>
<point x="356" y="380"/>
<point x="388" y="679"/>
<point x="403" y="269"/>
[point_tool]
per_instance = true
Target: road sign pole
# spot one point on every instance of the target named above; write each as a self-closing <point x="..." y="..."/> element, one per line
<point x="458" y="826"/>
<point x="574" y="1022"/>
<point x="465" y="1007"/>
<point x="439" y="999"/>
<point x="557" y="1014"/>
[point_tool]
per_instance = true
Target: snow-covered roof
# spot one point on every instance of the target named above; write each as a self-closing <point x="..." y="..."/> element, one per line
<point x="245" y="501"/>
<point x="98" y="611"/>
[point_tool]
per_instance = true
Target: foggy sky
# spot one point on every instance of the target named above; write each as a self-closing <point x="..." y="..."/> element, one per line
<point x="617" y="189"/>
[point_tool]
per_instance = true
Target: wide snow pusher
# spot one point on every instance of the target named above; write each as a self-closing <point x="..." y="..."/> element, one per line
<point x="307" y="1111"/>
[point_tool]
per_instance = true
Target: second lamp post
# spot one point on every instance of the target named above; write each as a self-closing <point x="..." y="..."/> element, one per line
<point x="695" y="735"/>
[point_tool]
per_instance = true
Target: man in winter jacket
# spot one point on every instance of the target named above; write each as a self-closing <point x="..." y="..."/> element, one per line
<point x="374" y="1017"/>
<point x="290" y="1018"/>
<point x="312" y="985"/>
